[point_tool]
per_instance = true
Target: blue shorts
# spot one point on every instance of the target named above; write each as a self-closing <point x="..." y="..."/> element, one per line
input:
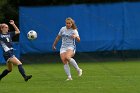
<point x="8" y="54"/>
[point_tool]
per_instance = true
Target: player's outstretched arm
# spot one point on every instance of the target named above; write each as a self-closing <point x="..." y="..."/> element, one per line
<point x="15" y="27"/>
<point x="55" y="42"/>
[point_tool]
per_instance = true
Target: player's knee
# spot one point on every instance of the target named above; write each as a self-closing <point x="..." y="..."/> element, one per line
<point x="19" y="63"/>
<point x="67" y="58"/>
<point x="64" y="61"/>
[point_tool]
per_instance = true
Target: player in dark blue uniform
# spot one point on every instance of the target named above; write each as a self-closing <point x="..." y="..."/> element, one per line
<point x="6" y="43"/>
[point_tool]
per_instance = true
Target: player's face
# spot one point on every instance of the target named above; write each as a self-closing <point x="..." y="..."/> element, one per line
<point x="68" y="24"/>
<point x="5" y="28"/>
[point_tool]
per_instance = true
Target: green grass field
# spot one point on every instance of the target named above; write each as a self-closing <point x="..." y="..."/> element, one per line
<point x="98" y="77"/>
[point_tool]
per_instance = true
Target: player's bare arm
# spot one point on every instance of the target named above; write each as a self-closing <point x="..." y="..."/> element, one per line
<point x="15" y="27"/>
<point x="55" y="42"/>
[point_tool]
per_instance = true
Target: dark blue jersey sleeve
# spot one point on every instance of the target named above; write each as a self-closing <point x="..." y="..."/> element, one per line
<point x="12" y="34"/>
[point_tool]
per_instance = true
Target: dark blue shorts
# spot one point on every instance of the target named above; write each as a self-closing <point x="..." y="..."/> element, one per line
<point x="8" y="54"/>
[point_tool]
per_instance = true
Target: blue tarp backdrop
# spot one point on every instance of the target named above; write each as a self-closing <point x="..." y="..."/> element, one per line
<point x="113" y="26"/>
<point x="101" y="27"/>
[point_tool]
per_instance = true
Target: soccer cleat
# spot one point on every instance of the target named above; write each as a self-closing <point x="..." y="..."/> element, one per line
<point x="27" y="78"/>
<point x="80" y="72"/>
<point x="68" y="79"/>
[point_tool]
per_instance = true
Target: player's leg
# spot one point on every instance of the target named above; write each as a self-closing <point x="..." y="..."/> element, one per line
<point x="70" y="54"/>
<point x="15" y="61"/>
<point x="66" y="65"/>
<point x="6" y="56"/>
<point x="6" y="71"/>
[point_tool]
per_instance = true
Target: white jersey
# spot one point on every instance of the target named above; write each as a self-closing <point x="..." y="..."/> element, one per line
<point x="66" y="34"/>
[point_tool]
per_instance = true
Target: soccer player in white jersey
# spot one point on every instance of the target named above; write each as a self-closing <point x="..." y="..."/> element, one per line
<point x="6" y="43"/>
<point x="68" y="34"/>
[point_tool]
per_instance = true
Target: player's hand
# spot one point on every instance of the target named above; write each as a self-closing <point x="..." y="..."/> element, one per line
<point x="12" y="22"/>
<point x="53" y="47"/>
<point x="73" y="36"/>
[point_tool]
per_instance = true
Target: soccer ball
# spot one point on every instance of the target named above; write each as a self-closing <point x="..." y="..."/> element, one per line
<point x="32" y="35"/>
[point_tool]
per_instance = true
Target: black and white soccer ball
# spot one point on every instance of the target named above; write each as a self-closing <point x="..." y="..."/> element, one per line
<point x="31" y="35"/>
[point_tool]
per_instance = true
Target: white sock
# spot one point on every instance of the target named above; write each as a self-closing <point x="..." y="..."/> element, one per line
<point x="67" y="70"/>
<point x="73" y="62"/>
